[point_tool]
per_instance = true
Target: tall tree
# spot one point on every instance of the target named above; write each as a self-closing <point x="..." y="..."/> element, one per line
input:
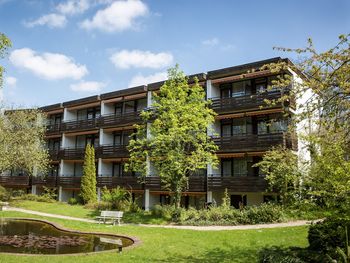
<point x="22" y="144"/>
<point x="173" y="136"/>
<point x="88" y="180"/>
<point x="5" y="44"/>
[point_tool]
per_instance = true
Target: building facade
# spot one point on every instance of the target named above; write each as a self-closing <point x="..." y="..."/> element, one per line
<point x="244" y="129"/>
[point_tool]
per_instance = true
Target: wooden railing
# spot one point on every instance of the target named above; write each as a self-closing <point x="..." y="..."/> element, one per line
<point x="69" y="181"/>
<point x="246" y="102"/>
<point x="254" y="142"/>
<point x="72" y="153"/>
<point x="15" y="181"/>
<point x="195" y="184"/>
<point x="48" y="181"/>
<point x="237" y="183"/>
<point x="111" y="151"/>
<point x="127" y="182"/>
<point x="53" y="128"/>
<point x="55" y="154"/>
<point x="79" y="125"/>
<point x="113" y="120"/>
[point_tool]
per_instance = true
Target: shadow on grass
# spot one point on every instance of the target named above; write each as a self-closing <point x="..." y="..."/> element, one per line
<point x="229" y="254"/>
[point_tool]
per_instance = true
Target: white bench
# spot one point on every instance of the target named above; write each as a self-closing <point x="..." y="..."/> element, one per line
<point x="114" y="216"/>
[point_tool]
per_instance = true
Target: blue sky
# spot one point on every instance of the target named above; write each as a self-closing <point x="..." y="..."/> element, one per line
<point x="64" y="50"/>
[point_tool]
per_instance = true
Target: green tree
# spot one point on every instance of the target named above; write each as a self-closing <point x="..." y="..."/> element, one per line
<point x="22" y="144"/>
<point x="176" y="143"/>
<point x="88" y="180"/>
<point x="5" y="44"/>
<point x="280" y="166"/>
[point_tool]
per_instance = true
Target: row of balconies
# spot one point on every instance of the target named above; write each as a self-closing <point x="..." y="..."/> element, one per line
<point x="237" y="143"/>
<point x="220" y="105"/>
<point x="104" y="121"/>
<point x="246" y="183"/>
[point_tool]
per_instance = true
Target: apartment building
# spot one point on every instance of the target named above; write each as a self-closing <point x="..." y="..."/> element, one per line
<point x="244" y="129"/>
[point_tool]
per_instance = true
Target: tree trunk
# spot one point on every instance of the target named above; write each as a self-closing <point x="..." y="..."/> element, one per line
<point x="177" y="198"/>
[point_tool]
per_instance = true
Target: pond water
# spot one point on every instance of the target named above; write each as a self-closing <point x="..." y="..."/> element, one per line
<point x="37" y="237"/>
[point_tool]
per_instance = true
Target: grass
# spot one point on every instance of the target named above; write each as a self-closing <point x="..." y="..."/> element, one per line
<point x="173" y="245"/>
<point x="80" y="211"/>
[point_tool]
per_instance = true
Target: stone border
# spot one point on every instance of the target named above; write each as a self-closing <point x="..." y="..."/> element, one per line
<point x="135" y="240"/>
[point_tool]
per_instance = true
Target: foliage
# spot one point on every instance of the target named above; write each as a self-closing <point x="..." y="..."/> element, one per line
<point x="177" y="144"/>
<point x="88" y="180"/>
<point x="4" y="194"/>
<point x="22" y="141"/>
<point x="283" y="176"/>
<point x="278" y="254"/>
<point x="49" y="193"/>
<point x="221" y="215"/>
<point x="5" y="44"/>
<point x="72" y="201"/>
<point x="116" y="197"/>
<point x="37" y="198"/>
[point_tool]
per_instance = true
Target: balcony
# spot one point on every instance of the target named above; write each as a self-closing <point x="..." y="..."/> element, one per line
<point x="15" y="181"/>
<point x="248" y="102"/>
<point x="195" y="184"/>
<point x="124" y="119"/>
<point x="54" y="154"/>
<point x="127" y="182"/>
<point x="112" y="151"/>
<point x="76" y="153"/>
<point x="48" y="181"/>
<point x="79" y="125"/>
<point x="255" y="142"/>
<point x="237" y="184"/>
<point x="69" y="181"/>
<point x="53" y="129"/>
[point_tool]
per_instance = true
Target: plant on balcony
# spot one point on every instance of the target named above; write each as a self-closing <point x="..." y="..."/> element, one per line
<point x="177" y="143"/>
<point x="88" y="180"/>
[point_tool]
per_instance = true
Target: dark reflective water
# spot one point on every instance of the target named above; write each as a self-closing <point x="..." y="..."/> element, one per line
<point x="24" y="236"/>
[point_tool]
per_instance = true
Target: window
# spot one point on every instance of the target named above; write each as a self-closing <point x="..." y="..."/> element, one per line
<point x="141" y="104"/>
<point x="226" y="167"/>
<point x="239" y="167"/>
<point x="118" y="108"/>
<point x="225" y="91"/>
<point x="241" y="88"/>
<point x="279" y="125"/>
<point x="260" y="85"/>
<point x="262" y="126"/>
<point x="239" y="126"/>
<point x="238" y="201"/>
<point x="117" y="140"/>
<point x="129" y="106"/>
<point x="117" y="170"/>
<point x="226" y="130"/>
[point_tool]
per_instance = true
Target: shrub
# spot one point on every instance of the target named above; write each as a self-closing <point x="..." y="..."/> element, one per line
<point x="72" y="201"/>
<point x="264" y="213"/>
<point x="17" y="193"/>
<point x="325" y="236"/>
<point x="49" y="194"/>
<point x="99" y="206"/>
<point x="117" y="197"/>
<point x="4" y="194"/>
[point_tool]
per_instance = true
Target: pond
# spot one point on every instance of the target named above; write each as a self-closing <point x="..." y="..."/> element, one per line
<point x="41" y="237"/>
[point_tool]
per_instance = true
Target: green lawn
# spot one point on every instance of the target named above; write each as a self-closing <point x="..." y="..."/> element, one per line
<point x="80" y="211"/>
<point x="173" y="245"/>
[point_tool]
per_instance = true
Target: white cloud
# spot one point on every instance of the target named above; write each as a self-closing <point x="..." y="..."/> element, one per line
<point x="72" y="7"/>
<point x="211" y="42"/>
<point x="139" y="80"/>
<point x="118" y="16"/>
<point x="87" y="86"/>
<point x="47" y="65"/>
<point x="10" y="81"/>
<point x="51" y="20"/>
<point x="141" y="59"/>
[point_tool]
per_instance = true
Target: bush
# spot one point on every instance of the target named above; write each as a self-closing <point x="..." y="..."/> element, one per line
<point x="289" y="255"/>
<point x="116" y="197"/>
<point x="4" y="194"/>
<point x="99" y="206"/>
<point x="325" y="236"/>
<point x="49" y="194"/>
<point x="72" y="201"/>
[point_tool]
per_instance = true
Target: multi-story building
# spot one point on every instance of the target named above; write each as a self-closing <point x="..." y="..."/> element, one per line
<point x="243" y="132"/>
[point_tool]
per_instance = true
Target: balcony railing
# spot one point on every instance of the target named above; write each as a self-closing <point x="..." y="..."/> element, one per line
<point x="48" y="181"/>
<point x="79" y="125"/>
<point x="72" y="153"/>
<point x="54" y="154"/>
<point x="195" y="184"/>
<point x="112" y="151"/>
<point x="69" y="181"/>
<point x="124" y="119"/>
<point x="255" y="142"/>
<point x="247" y="102"/>
<point x="127" y="182"/>
<point x="53" y="128"/>
<point x="237" y="183"/>
<point x="15" y="181"/>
